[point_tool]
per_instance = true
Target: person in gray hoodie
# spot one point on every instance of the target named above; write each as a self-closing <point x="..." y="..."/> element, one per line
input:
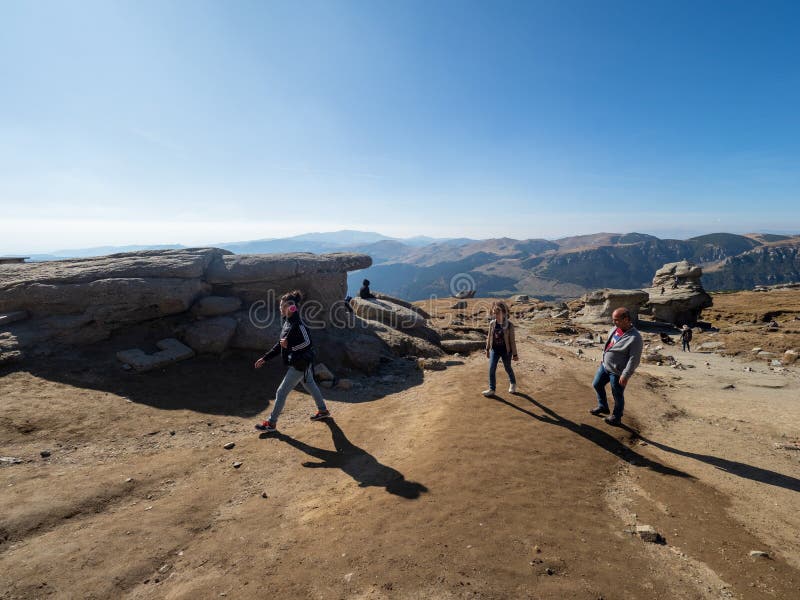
<point x="621" y="355"/>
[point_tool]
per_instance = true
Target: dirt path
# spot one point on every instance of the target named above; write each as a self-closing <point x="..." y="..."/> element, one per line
<point x="430" y="491"/>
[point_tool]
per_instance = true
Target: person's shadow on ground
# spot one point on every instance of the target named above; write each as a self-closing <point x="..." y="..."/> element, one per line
<point x="597" y="436"/>
<point x="356" y="462"/>
<point x="729" y="466"/>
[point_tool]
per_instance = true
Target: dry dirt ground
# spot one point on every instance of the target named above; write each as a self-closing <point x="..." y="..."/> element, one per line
<point x="419" y="488"/>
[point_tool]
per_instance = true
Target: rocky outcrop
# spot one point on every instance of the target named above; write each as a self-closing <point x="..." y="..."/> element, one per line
<point x="677" y="296"/>
<point x="74" y="302"/>
<point x="598" y="305"/>
<point x="210" y="300"/>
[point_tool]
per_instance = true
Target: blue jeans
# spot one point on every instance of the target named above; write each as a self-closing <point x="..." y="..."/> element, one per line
<point x="291" y="379"/>
<point x="494" y="358"/>
<point x="601" y="378"/>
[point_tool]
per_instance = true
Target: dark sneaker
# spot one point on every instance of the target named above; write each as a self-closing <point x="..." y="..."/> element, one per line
<point x="612" y="420"/>
<point x="320" y="414"/>
<point x="599" y="411"/>
<point x="266" y="427"/>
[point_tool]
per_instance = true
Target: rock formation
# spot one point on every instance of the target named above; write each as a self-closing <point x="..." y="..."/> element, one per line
<point x="599" y="305"/>
<point x="202" y="300"/>
<point x="214" y="299"/>
<point x="677" y="296"/>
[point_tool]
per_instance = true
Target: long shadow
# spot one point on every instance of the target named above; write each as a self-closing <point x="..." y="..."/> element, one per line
<point x="597" y="436"/>
<point x="205" y="384"/>
<point x="730" y="466"/>
<point x="356" y="462"/>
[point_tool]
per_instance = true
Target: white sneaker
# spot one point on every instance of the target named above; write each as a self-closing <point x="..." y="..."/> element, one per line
<point x="512" y="388"/>
<point x="488" y="393"/>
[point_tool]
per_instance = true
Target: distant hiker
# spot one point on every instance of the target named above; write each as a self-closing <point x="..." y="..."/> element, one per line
<point x="500" y="345"/>
<point x="662" y="290"/>
<point x="297" y="352"/>
<point x="621" y="355"/>
<point x="364" y="291"/>
<point x="686" y="337"/>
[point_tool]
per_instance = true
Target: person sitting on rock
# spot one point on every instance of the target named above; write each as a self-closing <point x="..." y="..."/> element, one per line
<point x="500" y="345"/>
<point x="364" y="291"/>
<point x="297" y="352"/>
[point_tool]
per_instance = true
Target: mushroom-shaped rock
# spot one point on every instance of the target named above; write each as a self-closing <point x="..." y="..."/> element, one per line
<point x="677" y="296"/>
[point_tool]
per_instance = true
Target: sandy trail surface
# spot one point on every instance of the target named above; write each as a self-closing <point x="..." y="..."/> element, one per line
<point x="418" y="488"/>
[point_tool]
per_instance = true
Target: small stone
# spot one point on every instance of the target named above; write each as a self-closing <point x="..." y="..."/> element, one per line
<point x="648" y="534"/>
<point x="11" y="460"/>
<point x="237" y="464"/>
<point x="344" y="384"/>
<point x="164" y="568"/>
<point x="229" y="446"/>
<point x="148" y="508"/>
<point x="172" y="432"/>
<point x="549" y="571"/>
<point x="264" y="495"/>
<point x="126" y="367"/>
<point x="129" y="480"/>
<point x="45" y="453"/>
<point x="759" y="554"/>
<point x="537" y="549"/>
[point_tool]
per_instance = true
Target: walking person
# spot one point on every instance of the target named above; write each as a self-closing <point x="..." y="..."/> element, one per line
<point x="501" y="345"/>
<point x="686" y="337"/>
<point x="297" y="352"/>
<point x="621" y="356"/>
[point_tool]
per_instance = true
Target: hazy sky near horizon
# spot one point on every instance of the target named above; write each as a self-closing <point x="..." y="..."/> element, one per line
<point x="191" y="122"/>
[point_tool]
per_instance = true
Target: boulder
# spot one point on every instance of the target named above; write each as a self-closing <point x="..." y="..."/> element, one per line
<point x="789" y="357"/>
<point x="322" y="373"/>
<point x="393" y="315"/>
<point x="81" y="301"/>
<point x="460" y="305"/>
<point x="170" y="351"/>
<point x="364" y="352"/>
<point x="599" y="305"/>
<point x="422" y="312"/>
<point x="212" y="306"/>
<point x="415" y="342"/>
<point x="711" y="346"/>
<point x="210" y="336"/>
<point x="677" y="296"/>
<point x="464" y="294"/>
<point x="521" y="299"/>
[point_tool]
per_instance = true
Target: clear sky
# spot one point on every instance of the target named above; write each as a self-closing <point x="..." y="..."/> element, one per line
<point x="197" y="122"/>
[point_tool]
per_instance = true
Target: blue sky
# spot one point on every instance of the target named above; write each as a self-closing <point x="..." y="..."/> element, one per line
<point x="200" y="122"/>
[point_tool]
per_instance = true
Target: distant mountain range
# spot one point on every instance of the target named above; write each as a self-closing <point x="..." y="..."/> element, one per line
<point x="417" y="268"/>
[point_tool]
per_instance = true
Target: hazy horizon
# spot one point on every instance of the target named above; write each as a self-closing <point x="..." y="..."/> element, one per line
<point x="662" y="235"/>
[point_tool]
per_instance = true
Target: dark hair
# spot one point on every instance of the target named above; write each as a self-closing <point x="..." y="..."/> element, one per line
<point x="294" y="297"/>
<point x="501" y="305"/>
<point x="365" y="282"/>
